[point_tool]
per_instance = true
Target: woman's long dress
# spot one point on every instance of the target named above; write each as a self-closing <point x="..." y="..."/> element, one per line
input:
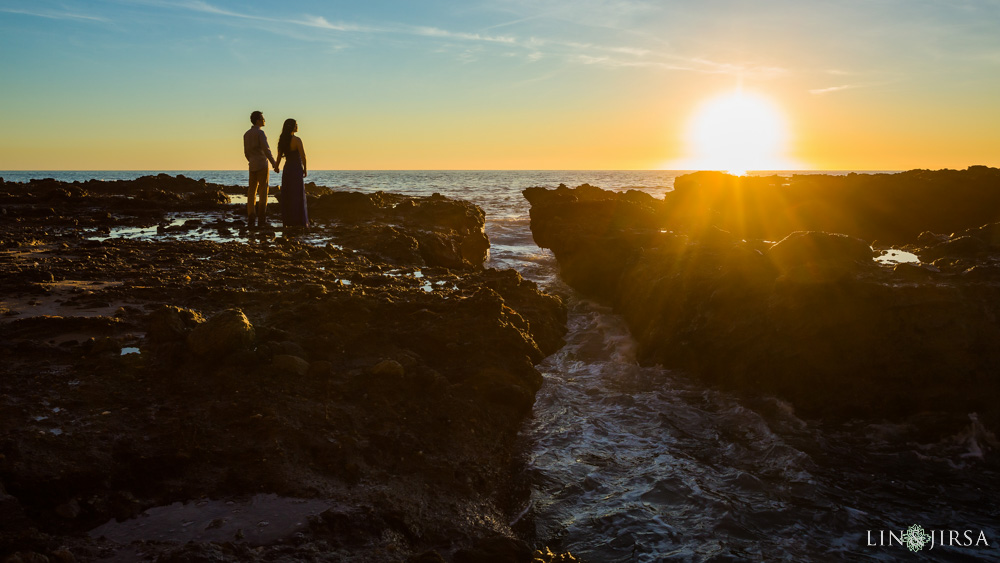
<point x="293" y="193"/>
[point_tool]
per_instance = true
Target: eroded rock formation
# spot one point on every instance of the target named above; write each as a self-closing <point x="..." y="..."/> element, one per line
<point x="807" y="316"/>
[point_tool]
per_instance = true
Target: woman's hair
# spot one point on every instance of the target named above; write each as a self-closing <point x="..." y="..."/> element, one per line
<point x="285" y="140"/>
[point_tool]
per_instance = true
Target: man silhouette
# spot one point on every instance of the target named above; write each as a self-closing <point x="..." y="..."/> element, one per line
<point x="258" y="155"/>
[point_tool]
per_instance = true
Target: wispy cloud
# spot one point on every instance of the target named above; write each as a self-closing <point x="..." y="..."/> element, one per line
<point x="514" y="22"/>
<point x="205" y="7"/>
<point x="307" y="21"/>
<point x="435" y="32"/>
<point x="589" y="60"/>
<point x="534" y="48"/>
<point x="634" y="51"/>
<point x="54" y="15"/>
<point x="617" y="15"/>
<point x="699" y="65"/>
<point x="831" y="89"/>
<point x="855" y="86"/>
<point x="468" y="56"/>
<point x="322" y="23"/>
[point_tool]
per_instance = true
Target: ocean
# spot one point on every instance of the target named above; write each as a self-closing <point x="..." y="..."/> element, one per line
<point x="632" y="463"/>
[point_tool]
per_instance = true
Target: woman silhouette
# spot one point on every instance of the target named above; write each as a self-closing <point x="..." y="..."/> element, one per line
<point x="293" y="193"/>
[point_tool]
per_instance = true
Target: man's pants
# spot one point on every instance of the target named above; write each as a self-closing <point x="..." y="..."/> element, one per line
<point x="258" y="186"/>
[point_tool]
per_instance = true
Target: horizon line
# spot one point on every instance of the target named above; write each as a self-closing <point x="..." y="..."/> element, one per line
<point x="165" y="170"/>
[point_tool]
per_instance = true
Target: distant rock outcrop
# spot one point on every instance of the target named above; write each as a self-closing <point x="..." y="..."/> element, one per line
<point x="144" y="191"/>
<point x="892" y="208"/>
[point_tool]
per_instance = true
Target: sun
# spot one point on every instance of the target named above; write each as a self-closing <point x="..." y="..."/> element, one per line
<point x="737" y="132"/>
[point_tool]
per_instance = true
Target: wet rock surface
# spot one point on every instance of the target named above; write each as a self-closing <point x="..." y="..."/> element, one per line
<point x="737" y="293"/>
<point x="387" y="376"/>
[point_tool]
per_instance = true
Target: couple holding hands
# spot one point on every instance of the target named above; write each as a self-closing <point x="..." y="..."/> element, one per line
<point x="293" y="193"/>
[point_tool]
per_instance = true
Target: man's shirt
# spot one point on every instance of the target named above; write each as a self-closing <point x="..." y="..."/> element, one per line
<point x="255" y="148"/>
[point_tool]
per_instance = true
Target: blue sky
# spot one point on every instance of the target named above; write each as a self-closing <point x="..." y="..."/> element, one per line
<point x="502" y="84"/>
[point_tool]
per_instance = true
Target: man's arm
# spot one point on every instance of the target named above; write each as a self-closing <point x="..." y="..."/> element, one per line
<point x="267" y="149"/>
<point x="247" y="149"/>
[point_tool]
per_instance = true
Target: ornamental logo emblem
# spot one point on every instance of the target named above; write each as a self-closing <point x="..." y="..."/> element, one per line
<point x="915" y="538"/>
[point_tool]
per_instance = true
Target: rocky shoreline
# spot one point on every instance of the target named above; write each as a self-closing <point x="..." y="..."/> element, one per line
<point x="770" y="287"/>
<point x="362" y="383"/>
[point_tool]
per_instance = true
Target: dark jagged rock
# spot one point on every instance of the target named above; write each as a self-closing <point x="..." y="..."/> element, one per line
<point x="495" y="550"/>
<point x="821" y="257"/>
<point x="956" y="247"/>
<point x="435" y="230"/>
<point x="811" y="319"/>
<point x="396" y="245"/>
<point x="290" y="364"/>
<point x="445" y="251"/>
<point x="11" y="512"/>
<point x="168" y="324"/>
<point x="362" y="372"/>
<point x="46" y="327"/>
<point x="226" y="332"/>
